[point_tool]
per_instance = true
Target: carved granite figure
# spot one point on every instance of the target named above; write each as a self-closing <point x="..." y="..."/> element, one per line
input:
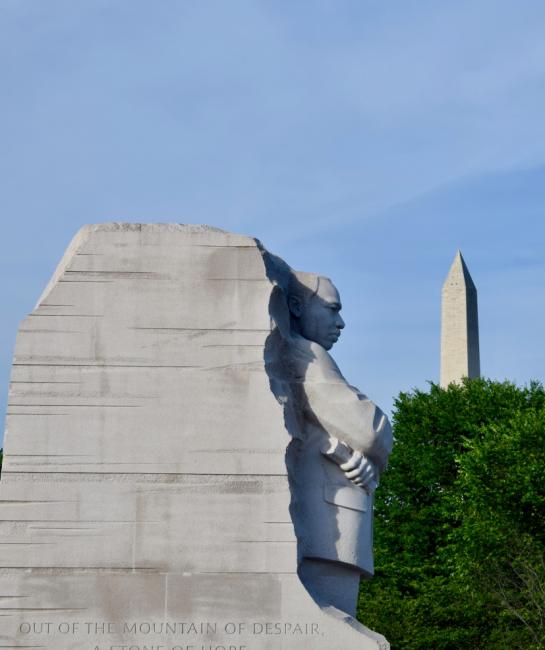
<point x="145" y="497"/>
<point x="340" y="439"/>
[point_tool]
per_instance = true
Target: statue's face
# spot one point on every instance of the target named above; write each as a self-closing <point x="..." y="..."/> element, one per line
<point x="320" y="319"/>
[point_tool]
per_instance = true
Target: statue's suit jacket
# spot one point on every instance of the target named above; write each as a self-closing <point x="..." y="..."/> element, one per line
<point x="333" y="518"/>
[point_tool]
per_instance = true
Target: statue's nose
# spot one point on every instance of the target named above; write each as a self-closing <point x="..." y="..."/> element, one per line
<point x="340" y="322"/>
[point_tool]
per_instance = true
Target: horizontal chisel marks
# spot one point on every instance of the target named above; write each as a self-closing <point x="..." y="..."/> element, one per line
<point x="26" y="543"/>
<point x="257" y="573"/>
<point x="53" y="455"/>
<point x="128" y="406"/>
<point x="187" y="479"/>
<point x="31" y="501"/>
<point x="236" y="246"/>
<point x="42" y="609"/>
<point x="120" y="275"/>
<point x="22" y="647"/>
<point x="238" y="450"/>
<point x="20" y="381"/>
<point x="83" y="462"/>
<point x="100" y="365"/>
<point x="76" y="521"/>
<point x="233" y="345"/>
<point x="265" y="541"/>
<point x="44" y="331"/>
<point x="66" y="315"/>
<point x="48" y="528"/>
<point x="244" y="365"/>
<point x="202" y="329"/>
<point x="263" y="280"/>
<point x="75" y="570"/>
<point x="131" y="522"/>
<point x="27" y="414"/>
<point x="86" y="281"/>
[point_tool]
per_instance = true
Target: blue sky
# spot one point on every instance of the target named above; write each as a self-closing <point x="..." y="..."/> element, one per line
<point x="364" y="140"/>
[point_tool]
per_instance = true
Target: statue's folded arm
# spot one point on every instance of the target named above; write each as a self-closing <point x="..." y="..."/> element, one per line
<point x="345" y="413"/>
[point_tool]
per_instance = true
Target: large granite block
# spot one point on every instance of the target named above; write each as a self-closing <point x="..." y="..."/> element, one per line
<point x="144" y="498"/>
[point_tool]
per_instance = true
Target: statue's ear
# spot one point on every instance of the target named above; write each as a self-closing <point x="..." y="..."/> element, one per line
<point x="295" y="306"/>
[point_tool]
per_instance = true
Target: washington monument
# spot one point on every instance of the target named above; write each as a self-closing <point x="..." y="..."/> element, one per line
<point x="459" y="325"/>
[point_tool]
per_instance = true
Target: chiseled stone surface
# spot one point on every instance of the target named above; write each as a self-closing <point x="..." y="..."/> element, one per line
<point x="459" y="325"/>
<point x="144" y="499"/>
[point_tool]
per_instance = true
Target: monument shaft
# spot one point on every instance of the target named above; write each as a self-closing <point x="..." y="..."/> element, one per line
<point x="459" y="325"/>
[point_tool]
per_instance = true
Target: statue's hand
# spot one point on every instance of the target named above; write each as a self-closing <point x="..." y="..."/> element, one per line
<point x="361" y="471"/>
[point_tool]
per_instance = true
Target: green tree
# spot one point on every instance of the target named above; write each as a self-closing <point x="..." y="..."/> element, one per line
<point x="458" y="540"/>
<point x="501" y="537"/>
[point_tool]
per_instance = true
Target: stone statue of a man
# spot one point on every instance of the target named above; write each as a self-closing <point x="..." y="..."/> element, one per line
<point x="340" y="440"/>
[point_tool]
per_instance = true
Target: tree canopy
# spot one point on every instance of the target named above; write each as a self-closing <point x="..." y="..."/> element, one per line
<point x="459" y="535"/>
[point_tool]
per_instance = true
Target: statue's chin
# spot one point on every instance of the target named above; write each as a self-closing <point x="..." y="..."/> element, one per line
<point x="327" y="344"/>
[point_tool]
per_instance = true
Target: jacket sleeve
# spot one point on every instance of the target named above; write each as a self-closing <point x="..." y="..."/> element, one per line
<point x="342" y="411"/>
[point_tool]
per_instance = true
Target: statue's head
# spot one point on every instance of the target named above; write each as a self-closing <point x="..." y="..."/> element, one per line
<point x="315" y="306"/>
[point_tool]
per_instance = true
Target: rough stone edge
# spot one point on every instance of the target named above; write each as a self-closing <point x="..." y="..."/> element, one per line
<point x="116" y="226"/>
<point x="84" y="232"/>
<point x="76" y="243"/>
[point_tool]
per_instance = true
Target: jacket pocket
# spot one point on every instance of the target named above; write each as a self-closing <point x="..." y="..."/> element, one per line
<point x="346" y="496"/>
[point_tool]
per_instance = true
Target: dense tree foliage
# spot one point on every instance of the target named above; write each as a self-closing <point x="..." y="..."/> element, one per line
<point x="459" y="534"/>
